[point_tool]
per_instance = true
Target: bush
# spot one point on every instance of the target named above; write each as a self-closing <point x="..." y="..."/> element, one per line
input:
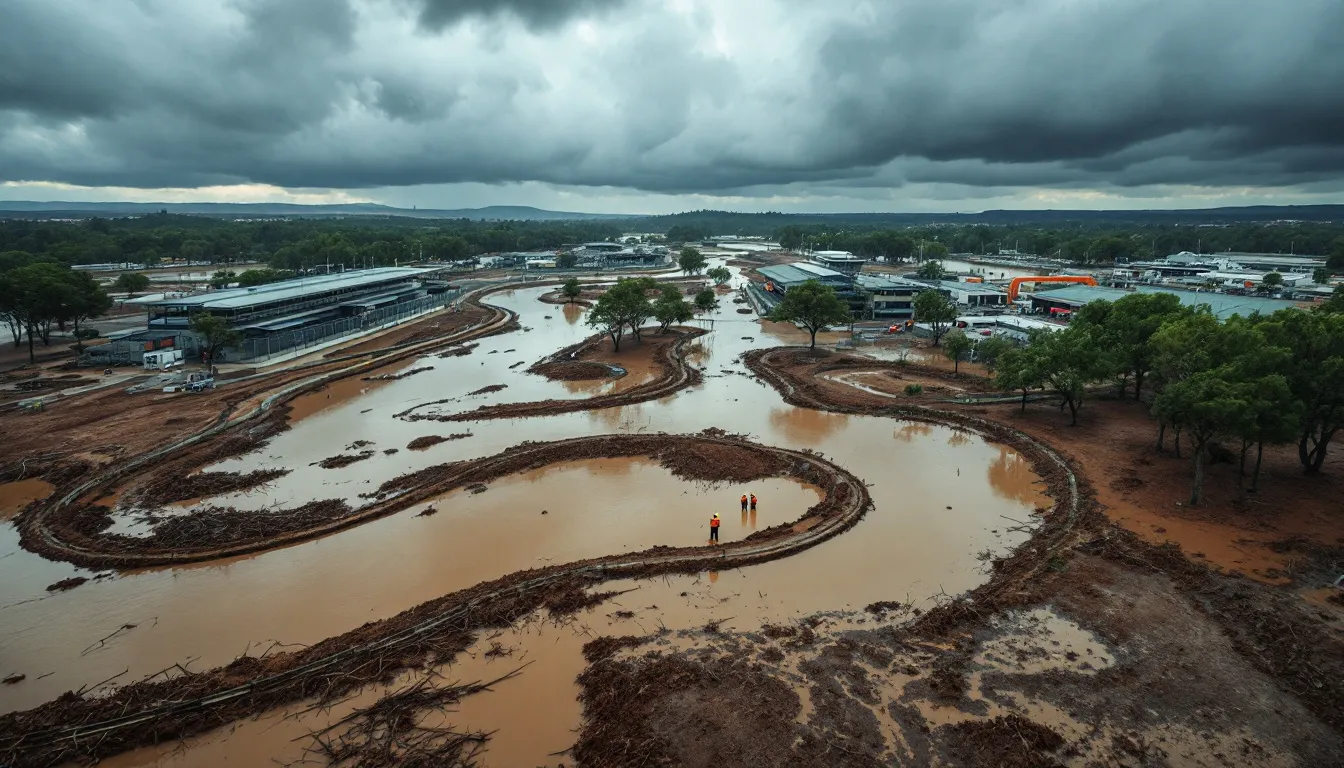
<point x="913" y="389"/>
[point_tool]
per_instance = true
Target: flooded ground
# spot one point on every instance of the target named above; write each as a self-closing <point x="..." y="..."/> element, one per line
<point x="945" y="501"/>
<point x="19" y="494"/>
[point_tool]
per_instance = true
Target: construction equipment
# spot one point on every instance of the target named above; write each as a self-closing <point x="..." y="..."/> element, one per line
<point x="1015" y="285"/>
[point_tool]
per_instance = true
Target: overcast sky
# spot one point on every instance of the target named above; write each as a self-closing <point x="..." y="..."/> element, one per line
<point x="667" y="105"/>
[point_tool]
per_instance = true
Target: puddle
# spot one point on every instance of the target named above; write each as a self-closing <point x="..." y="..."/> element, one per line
<point x="20" y="493"/>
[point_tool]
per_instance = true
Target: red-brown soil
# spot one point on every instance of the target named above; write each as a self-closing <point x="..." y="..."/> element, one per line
<point x="1140" y="488"/>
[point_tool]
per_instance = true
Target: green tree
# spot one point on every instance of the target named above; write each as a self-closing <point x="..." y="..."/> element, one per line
<point x="789" y="237"/>
<point x="215" y="335"/>
<point x="35" y="296"/>
<point x="691" y="261"/>
<point x="1208" y="405"/>
<point x="1271" y="281"/>
<point x="935" y="310"/>
<point x="86" y="300"/>
<point x="1124" y="328"/>
<point x="934" y="251"/>
<point x="571" y="290"/>
<point x="813" y="306"/>
<point x="624" y="305"/>
<point x="956" y="345"/>
<point x="131" y="282"/>
<point x="1320" y="276"/>
<point x="990" y="350"/>
<point x="931" y="270"/>
<point x="680" y="233"/>
<point x="1335" y="303"/>
<point x="1314" y="369"/>
<point x="1018" y="371"/>
<point x="1067" y="362"/>
<point x="706" y="301"/>
<point x="671" y="307"/>
<point x="222" y="278"/>
<point x="566" y="260"/>
<point x="254" y="277"/>
<point x="719" y="275"/>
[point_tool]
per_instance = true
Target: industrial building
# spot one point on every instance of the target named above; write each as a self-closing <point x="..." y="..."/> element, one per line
<point x="843" y="262"/>
<point x="966" y="294"/>
<point x="292" y="304"/>
<point x="889" y="297"/>
<point x="1223" y="305"/>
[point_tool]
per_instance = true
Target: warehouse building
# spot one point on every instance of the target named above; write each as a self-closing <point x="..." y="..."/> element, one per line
<point x="1223" y="305"/>
<point x="969" y="294"/>
<point x="293" y="304"/>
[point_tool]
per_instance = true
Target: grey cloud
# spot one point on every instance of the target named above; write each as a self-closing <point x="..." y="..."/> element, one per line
<point x="435" y="15"/>
<point x="959" y="93"/>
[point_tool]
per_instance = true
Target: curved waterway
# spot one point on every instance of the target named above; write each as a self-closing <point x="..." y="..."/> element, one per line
<point x="943" y="498"/>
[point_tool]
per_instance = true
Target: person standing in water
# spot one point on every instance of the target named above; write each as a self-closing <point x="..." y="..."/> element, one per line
<point x="753" y="502"/>
<point x="714" y="528"/>
<point x="744" y="502"/>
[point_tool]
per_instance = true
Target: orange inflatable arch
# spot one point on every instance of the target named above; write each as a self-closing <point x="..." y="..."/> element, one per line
<point x="1015" y="285"/>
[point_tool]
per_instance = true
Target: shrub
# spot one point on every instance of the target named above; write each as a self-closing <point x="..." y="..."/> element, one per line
<point x="913" y="389"/>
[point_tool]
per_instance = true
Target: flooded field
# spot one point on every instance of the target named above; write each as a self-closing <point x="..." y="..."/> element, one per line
<point x="945" y="502"/>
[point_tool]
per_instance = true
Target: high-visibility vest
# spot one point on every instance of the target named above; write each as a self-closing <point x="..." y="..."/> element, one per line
<point x="753" y="498"/>
<point x="714" y="522"/>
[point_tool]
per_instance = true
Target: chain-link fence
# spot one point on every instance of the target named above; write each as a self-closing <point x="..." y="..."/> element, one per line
<point x="285" y="342"/>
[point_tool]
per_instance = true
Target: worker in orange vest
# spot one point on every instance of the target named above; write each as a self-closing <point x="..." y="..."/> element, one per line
<point x="744" y="502"/>
<point x="753" y="502"/>
<point x="714" y="528"/>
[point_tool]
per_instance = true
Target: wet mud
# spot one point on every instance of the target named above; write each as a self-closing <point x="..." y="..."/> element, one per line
<point x="675" y="374"/>
<point x="250" y="684"/>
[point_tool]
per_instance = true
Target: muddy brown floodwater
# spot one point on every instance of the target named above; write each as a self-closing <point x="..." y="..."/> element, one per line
<point x="945" y="500"/>
<point x="18" y="494"/>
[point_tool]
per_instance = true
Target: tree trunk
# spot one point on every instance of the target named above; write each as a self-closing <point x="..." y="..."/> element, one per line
<point x="615" y="340"/>
<point x="1199" y="476"/>
<point x="1138" y="384"/>
<point x="956" y="364"/>
<point x="79" y="342"/>
<point x="46" y="332"/>
<point x="32" y="357"/>
<point x="1024" y="401"/>
<point x="1161" y="436"/>
<point x="1176" y="438"/>
<point x="1074" y="405"/>
<point x="1318" y="452"/>
<point x="1255" y="475"/>
<point x="813" y="345"/>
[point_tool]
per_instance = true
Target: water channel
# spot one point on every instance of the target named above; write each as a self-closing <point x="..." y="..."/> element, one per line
<point x="941" y="498"/>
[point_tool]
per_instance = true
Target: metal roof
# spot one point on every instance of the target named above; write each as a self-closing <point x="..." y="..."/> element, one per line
<point x="883" y="281"/>
<point x="289" y="290"/>
<point x="1223" y="305"/>
<point x="791" y="274"/>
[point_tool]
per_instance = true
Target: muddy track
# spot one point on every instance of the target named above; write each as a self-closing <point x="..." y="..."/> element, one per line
<point x="149" y="712"/>
<point x="1059" y="472"/>
<point x="675" y="374"/>
<point x="46" y="527"/>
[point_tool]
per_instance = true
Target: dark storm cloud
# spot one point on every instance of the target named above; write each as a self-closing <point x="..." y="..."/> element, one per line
<point x="538" y="14"/>
<point x="673" y="97"/>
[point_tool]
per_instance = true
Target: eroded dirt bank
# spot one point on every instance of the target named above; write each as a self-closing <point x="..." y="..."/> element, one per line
<point x="1089" y="646"/>
<point x="674" y="374"/>
<point x="147" y="712"/>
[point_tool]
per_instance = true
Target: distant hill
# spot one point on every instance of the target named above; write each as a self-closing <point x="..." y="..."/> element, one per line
<point x="759" y="223"/>
<point x="717" y="222"/>
<point x="63" y="209"/>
